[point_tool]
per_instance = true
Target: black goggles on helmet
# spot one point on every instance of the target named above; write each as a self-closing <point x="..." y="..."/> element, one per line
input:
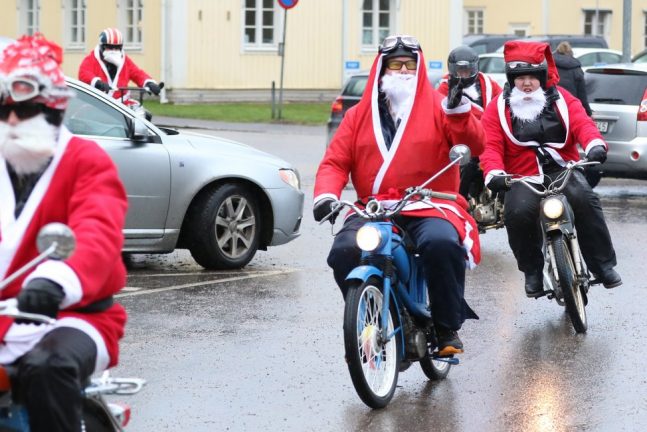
<point x="391" y="42"/>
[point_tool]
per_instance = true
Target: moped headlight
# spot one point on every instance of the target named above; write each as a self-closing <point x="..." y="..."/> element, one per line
<point x="369" y="238"/>
<point x="553" y="208"/>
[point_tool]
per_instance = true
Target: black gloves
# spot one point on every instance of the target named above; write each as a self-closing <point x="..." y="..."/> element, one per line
<point x="597" y="154"/>
<point x="455" y="92"/>
<point x="153" y="88"/>
<point x="102" y="85"/>
<point x="499" y="183"/>
<point x="41" y="296"/>
<point x="323" y="208"/>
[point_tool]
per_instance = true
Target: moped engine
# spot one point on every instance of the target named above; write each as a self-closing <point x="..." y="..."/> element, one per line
<point x="485" y="214"/>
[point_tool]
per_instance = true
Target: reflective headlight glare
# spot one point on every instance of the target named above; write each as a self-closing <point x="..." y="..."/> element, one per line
<point x="369" y="238"/>
<point x="553" y="208"/>
<point x="290" y="177"/>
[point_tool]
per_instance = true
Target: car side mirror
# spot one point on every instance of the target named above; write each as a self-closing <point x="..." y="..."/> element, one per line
<point x="139" y="132"/>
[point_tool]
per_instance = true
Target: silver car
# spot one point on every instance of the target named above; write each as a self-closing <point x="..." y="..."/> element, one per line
<point x="219" y="199"/>
<point x="618" y="97"/>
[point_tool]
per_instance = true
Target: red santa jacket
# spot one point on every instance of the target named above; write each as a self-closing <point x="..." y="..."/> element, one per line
<point x="92" y="68"/>
<point x="80" y="188"/>
<point x="505" y="154"/>
<point x="489" y="90"/>
<point x="419" y="149"/>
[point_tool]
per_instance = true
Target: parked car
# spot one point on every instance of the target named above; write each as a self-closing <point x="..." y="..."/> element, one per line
<point x="219" y="199"/>
<point x="618" y="97"/>
<point x="493" y="64"/>
<point x="487" y="43"/>
<point x="576" y="41"/>
<point x="351" y="93"/>
<point x="641" y="57"/>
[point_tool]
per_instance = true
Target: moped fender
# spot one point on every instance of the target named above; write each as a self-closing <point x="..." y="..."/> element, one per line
<point x="364" y="272"/>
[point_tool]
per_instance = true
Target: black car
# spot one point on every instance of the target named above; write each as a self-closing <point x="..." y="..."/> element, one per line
<point x="576" y="41"/>
<point x="487" y="43"/>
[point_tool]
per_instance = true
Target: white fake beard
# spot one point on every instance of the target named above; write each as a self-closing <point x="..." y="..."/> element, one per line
<point x="29" y="145"/>
<point x="527" y="106"/>
<point x="472" y="93"/>
<point x="400" y="90"/>
<point x="115" y="57"/>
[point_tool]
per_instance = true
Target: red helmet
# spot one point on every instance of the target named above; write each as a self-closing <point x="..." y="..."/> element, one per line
<point x="30" y="71"/>
<point x="111" y="36"/>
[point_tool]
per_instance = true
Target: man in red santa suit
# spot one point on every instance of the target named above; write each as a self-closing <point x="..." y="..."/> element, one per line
<point x="533" y="129"/>
<point x="398" y="136"/>
<point x="108" y="67"/>
<point x="480" y="89"/>
<point x="48" y="175"/>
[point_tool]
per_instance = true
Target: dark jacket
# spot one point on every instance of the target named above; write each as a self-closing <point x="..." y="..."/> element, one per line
<point x="571" y="77"/>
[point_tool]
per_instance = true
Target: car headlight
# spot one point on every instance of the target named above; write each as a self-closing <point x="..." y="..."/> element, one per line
<point x="290" y="177"/>
<point x="369" y="238"/>
<point x="553" y="208"/>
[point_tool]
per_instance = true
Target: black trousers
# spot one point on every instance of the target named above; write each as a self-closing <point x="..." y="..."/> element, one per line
<point x="442" y="254"/>
<point x="472" y="182"/>
<point x="524" y="230"/>
<point x="51" y="377"/>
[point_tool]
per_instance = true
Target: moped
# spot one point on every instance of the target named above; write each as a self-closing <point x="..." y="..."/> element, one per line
<point x="566" y="277"/>
<point x="137" y="105"/>
<point x="56" y="241"/>
<point x="387" y="319"/>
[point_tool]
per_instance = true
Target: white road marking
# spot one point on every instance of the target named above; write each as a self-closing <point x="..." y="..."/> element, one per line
<point x="133" y="291"/>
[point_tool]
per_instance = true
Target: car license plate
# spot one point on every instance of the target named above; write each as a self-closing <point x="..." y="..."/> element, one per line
<point x="603" y="126"/>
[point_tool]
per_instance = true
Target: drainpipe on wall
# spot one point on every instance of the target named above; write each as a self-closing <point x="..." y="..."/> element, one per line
<point x="163" y="98"/>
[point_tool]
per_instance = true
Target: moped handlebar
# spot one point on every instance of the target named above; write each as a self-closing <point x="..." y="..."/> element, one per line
<point x="9" y="308"/>
<point x="557" y="185"/>
<point x="140" y="90"/>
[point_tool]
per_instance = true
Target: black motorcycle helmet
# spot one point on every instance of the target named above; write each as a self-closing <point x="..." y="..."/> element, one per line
<point x="514" y="69"/>
<point x="463" y="62"/>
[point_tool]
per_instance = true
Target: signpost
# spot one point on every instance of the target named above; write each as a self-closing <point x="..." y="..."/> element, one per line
<point x="285" y="4"/>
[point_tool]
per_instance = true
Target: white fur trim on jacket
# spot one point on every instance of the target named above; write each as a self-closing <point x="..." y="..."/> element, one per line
<point x="63" y="275"/>
<point x="103" y="358"/>
<point x="594" y="143"/>
<point x="463" y="107"/>
<point x="321" y="197"/>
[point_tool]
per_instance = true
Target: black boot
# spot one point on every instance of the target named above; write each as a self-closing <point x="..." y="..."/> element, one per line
<point x="534" y="284"/>
<point x="610" y="278"/>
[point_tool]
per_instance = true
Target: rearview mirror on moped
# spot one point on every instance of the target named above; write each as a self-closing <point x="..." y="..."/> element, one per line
<point x="462" y="152"/>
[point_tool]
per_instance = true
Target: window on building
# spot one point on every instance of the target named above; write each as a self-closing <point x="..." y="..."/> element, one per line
<point x="597" y="22"/>
<point x="644" y="29"/>
<point x="75" y="23"/>
<point x="474" y="18"/>
<point x="29" y="16"/>
<point x="132" y="15"/>
<point x="260" y="29"/>
<point x="376" y="22"/>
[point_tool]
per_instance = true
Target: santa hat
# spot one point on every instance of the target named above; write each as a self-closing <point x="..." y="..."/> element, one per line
<point x="530" y="58"/>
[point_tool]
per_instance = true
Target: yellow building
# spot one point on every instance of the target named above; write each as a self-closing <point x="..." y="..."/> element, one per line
<point x="206" y="48"/>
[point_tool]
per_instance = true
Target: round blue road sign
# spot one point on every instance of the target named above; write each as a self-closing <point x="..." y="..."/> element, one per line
<point x="288" y="4"/>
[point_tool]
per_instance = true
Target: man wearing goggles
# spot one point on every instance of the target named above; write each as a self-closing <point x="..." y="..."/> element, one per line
<point x="464" y="78"/>
<point x="108" y="67"/>
<point x="533" y="129"/>
<point x="398" y="136"/>
<point x="47" y="175"/>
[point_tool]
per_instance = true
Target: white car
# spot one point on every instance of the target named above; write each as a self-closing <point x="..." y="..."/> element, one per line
<point x="493" y="64"/>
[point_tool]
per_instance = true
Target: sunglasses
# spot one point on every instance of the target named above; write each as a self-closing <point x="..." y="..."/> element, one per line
<point x="397" y="64"/>
<point x="391" y="42"/>
<point x="23" y="111"/>
<point x="19" y="89"/>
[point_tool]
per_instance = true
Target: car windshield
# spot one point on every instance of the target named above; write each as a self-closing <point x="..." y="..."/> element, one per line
<point x="616" y="86"/>
<point x="355" y="86"/>
<point x="492" y="65"/>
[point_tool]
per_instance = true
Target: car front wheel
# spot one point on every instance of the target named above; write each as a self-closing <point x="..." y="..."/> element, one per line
<point x="224" y="228"/>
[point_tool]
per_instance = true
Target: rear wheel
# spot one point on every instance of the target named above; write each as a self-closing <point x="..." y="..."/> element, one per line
<point x="96" y="417"/>
<point x="372" y="362"/>
<point x="573" y="297"/>
<point x="434" y="369"/>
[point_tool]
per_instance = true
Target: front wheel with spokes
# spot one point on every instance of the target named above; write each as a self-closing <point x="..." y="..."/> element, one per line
<point x="372" y="361"/>
<point x="568" y="281"/>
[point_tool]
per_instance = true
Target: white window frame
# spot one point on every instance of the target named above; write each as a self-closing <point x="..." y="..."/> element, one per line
<point x="604" y="22"/>
<point x="71" y="13"/>
<point x="129" y="12"/>
<point x="478" y="13"/>
<point x="277" y="27"/>
<point x="376" y="37"/>
<point x="644" y="29"/>
<point x="519" y="29"/>
<point x="25" y="25"/>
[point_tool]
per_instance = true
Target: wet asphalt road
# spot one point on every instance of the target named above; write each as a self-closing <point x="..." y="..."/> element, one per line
<point x="262" y="348"/>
